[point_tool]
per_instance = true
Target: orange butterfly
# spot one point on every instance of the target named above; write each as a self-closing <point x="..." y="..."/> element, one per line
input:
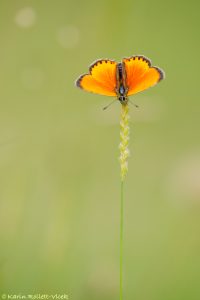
<point x="132" y="75"/>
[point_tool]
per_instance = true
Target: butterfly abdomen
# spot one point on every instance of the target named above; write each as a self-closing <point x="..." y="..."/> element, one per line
<point x="120" y="70"/>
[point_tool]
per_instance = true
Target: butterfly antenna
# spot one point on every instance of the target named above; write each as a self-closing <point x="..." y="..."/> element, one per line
<point x="133" y="104"/>
<point x="105" y="107"/>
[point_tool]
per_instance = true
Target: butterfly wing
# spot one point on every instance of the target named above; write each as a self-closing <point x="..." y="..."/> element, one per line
<point x="140" y="74"/>
<point x="101" y="78"/>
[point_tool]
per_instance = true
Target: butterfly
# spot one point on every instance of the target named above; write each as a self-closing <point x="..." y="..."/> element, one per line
<point x="128" y="77"/>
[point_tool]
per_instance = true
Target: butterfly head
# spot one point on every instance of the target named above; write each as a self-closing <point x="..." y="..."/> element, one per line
<point x="122" y="95"/>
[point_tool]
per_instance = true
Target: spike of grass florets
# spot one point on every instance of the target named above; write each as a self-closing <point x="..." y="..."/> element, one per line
<point x="124" y="139"/>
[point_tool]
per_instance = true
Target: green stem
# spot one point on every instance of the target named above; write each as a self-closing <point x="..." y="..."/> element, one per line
<point x="121" y="241"/>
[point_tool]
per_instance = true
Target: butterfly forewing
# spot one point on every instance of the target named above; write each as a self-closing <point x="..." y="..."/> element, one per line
<point x="101" y="78"/>
<point x="140" y="75"/>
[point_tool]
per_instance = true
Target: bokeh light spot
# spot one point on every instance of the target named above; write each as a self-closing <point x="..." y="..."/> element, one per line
<point x="25" y="17"/>
<point x="68" y="37"/>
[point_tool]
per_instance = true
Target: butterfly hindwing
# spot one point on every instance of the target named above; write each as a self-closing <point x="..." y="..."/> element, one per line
<point x="101" y="78"/>
<point x="140" y="74"/>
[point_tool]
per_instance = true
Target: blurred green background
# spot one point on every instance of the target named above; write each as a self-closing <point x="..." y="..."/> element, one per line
<point x="59" y="174"/>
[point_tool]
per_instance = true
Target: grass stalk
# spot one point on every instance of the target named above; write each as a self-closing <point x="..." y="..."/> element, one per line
<point x="121" y="240"/>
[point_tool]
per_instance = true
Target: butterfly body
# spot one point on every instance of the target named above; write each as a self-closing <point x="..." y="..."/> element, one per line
<point x="121" y="88"/>
<point x="132" y="75"/>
